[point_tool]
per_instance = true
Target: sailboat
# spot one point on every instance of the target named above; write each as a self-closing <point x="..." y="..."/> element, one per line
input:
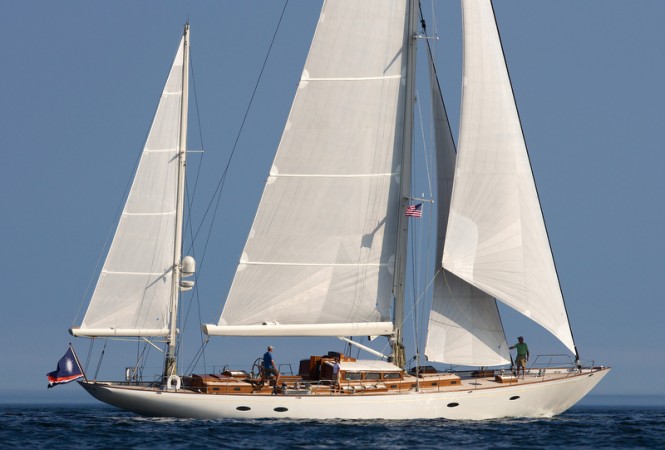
<point x="326" y="253"/>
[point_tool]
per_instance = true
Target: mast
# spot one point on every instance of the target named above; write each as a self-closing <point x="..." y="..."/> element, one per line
<point x="398" y="356"/>
<point x="170" y="363"/>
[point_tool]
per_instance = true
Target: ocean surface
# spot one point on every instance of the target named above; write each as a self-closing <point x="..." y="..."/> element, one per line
<point x="101" y="427"/>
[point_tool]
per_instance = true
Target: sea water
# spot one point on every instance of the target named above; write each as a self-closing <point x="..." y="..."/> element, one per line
<point x="98" y="426"/>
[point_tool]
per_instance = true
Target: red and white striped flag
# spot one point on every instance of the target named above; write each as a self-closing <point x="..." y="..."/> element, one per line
<point x="414" y="211"/>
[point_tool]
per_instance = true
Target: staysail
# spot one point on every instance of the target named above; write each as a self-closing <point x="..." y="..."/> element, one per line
<point x="464" y="324"/>
<point x="134" y="289"/>
<point x="496" y="238"/>
<point x="319" y="259"/>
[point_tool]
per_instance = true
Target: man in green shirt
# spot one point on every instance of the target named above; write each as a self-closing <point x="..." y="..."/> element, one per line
<point x="522" y="355"/>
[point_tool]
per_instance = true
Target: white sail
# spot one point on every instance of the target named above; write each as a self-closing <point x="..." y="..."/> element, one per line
<point x="464" y="324"/>
<point x="496" y="238"/>
<point x="322" y="246"/>
<point x="134" y="288"/>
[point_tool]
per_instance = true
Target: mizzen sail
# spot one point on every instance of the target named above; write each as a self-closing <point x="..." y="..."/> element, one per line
<point x="133" y="292"/>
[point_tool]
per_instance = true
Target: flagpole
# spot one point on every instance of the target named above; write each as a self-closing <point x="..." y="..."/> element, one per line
<point x="78" y="363"/>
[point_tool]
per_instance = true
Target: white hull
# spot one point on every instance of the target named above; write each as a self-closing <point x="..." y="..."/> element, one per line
<point x="528" y="399"/>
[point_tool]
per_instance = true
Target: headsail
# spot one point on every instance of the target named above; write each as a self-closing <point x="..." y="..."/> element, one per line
<point x="464" y="324"/>
<point x="319" y="259"/>
<point x="496" y="238"/>
<point x="134" y="288"/>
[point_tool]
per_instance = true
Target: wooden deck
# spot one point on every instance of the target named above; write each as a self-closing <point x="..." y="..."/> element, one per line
<point x="432" y="382"/>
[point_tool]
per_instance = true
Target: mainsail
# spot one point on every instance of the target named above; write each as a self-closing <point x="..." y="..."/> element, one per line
<point x="319" y="259"/>
<point x="496" y="238"/>
<point x="134" y="289"/>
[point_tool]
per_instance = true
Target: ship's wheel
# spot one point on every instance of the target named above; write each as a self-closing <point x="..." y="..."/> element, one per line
<point x="257" y="368"/>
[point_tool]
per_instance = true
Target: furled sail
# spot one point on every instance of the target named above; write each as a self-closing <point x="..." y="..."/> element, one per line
<point x="464" y="324"/>
<point x="496" y="238"/>
<point x="319" y="259"/>
<point x="134" y="288"/>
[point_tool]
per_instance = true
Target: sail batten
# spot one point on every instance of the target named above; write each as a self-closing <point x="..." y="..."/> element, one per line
<point x="334" y="175"/>
<point x="138" y="274"/>
<point x="278" y="263"/>
<point x="387" y="77"/>
<point x="165" y="213"/>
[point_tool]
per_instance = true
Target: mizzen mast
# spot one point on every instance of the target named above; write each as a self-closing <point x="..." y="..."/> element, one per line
<point x="170" y="363"/>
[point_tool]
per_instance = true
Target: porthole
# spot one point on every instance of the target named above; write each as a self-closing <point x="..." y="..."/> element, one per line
<point x="243" y="408"/>
<point x="281" y="409"/>
<point x="514" y="397"/>
<point x="452" y="405"/>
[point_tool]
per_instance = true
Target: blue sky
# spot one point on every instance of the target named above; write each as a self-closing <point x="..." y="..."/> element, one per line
<point x="81" y="81"/>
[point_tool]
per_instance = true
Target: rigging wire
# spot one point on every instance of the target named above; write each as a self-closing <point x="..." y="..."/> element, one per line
<point x="222" y="180"/>
<point x="220" y="185"/>
<point x="428" y="241"/>
<point x="191" y="250"/>
<point x="415" y="259"/>
<point x="191" y="198"/>
<point x="216" y="197"/>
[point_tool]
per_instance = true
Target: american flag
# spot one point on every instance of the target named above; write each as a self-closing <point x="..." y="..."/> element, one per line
<point x="414" y="210"/>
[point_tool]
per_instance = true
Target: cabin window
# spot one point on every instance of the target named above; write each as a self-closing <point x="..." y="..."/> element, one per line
<point x="352" y="376"/>
<point x="372" y="376"/>
<point x="391" y="376"/>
